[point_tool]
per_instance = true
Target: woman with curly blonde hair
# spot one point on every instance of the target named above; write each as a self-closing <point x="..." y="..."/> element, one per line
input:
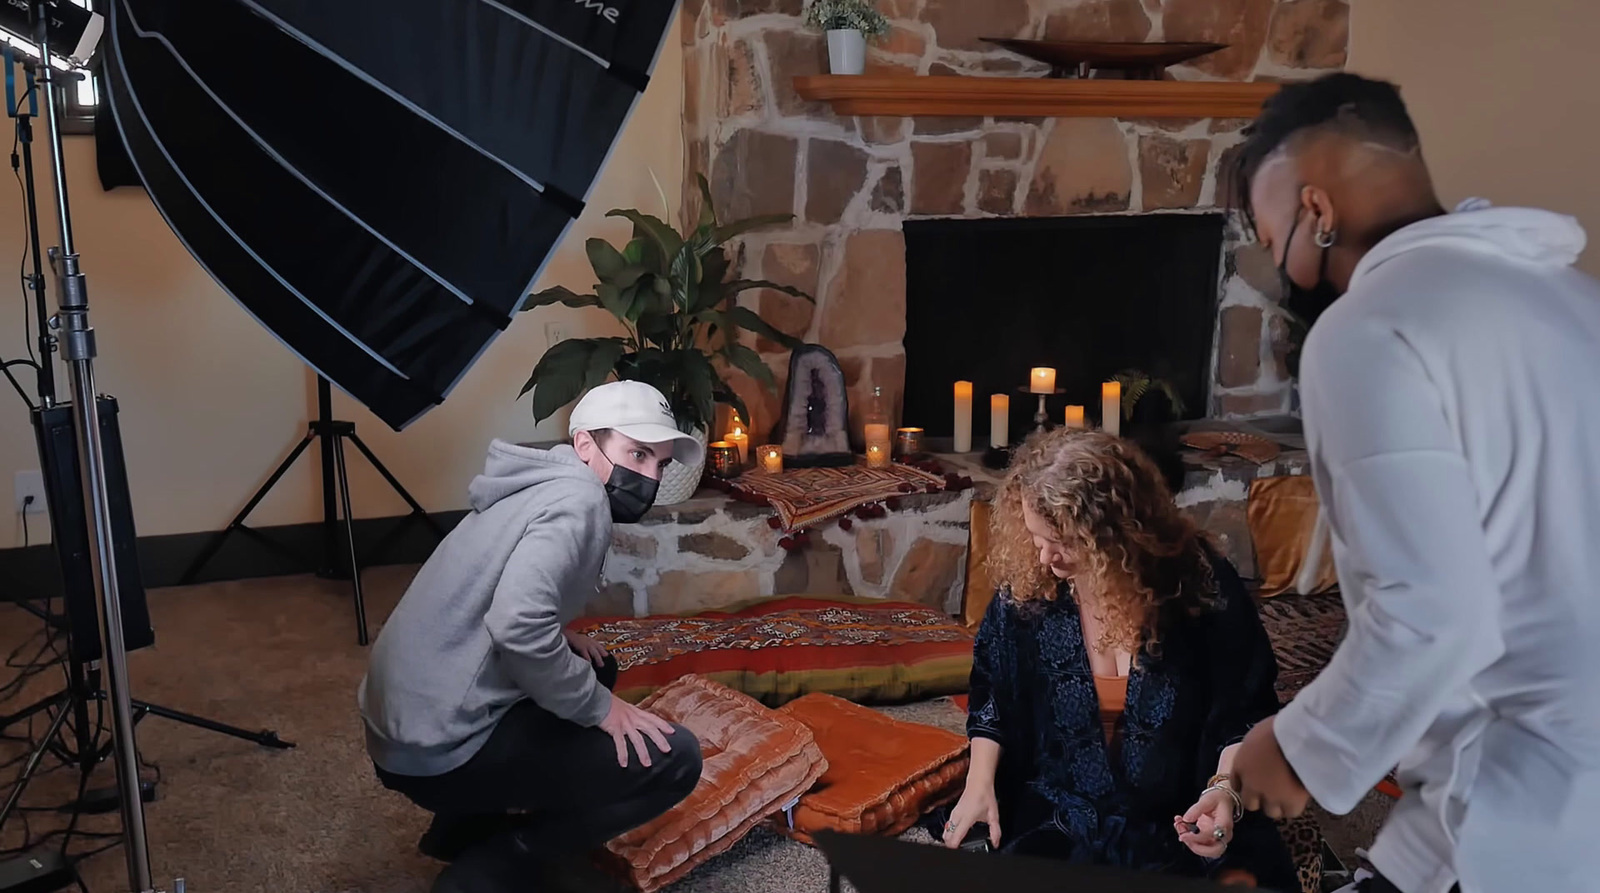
<point x="1117" y="667"/>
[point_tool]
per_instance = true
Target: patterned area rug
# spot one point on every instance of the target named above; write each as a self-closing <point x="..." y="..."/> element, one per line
<point x="807" y="496"/>
<point x="1305" y="630"/>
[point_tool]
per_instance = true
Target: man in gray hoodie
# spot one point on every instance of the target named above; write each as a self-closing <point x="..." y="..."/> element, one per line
<point x="1453" y="420"/>
<point x="479" y="704"/>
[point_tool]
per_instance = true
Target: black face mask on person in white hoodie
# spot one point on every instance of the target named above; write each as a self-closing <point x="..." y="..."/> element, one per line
<point x="1306" y="304"/>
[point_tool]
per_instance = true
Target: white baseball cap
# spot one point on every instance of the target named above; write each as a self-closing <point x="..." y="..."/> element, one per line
<point x="637" y="410"/>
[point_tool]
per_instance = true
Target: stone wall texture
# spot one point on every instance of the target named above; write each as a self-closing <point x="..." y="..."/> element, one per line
<point x="712" y="552"/>
<point x="851" y="182"/>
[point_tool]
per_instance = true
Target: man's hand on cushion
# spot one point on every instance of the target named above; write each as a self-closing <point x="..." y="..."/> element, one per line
<point x="585" y="647"/>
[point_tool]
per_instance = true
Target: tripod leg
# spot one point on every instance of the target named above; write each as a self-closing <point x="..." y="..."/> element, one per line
<point x="33" y="760"/>
<point x="350" y="539"/>
<point x="416" y="508"/>
<point x="265" y="737"/>
<point x="215" y="545"/>
<point x="30" y="710"/>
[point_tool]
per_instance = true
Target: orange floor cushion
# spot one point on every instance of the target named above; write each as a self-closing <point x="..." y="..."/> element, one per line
<point x="755" y="762"/>
<point x="883" y="774"/>
<point x="777" y="649"/>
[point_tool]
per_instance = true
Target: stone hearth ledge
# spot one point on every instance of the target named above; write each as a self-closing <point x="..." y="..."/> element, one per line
<point x="713" y="551"/>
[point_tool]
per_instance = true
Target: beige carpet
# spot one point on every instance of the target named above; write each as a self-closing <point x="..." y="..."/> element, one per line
<point x="233" y="817"/>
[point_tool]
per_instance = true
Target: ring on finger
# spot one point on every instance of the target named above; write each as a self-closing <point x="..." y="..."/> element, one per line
<point x="1220" y="834"/>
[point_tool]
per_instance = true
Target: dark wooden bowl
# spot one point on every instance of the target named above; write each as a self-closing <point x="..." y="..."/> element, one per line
<point x="1079" y="58"/>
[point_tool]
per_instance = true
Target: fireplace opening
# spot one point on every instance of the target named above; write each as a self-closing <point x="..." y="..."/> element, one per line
<point x="987" y="300"/>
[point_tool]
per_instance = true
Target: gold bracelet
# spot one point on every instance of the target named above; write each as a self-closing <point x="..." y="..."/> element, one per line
<point x="1238" y="804"/>
<point x="1219" y="780"/>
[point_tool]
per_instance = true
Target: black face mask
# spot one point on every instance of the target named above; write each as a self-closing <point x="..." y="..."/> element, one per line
<point x="1304" y="305"/>
<point x="631" y="494"/>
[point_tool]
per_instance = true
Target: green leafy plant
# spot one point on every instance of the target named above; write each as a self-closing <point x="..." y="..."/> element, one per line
<point x="672" y="294"/>
<point x="1136" y="384"/>
<point x="858" y="15"/>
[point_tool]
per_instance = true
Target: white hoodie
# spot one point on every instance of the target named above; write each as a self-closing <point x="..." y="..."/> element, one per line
<point x="1452" y="410"/>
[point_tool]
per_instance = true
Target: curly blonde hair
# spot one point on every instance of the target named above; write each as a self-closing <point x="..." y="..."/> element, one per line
<point x="1115" y="515"/>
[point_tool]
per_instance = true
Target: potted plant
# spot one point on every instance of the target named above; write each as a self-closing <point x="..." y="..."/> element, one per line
<point x="849" y="23"/>
<point x="669" y="292"/>
<point x="1150" y="404"/>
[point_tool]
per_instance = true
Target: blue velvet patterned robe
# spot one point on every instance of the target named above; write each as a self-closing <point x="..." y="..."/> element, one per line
<point x="1060" y="792"/>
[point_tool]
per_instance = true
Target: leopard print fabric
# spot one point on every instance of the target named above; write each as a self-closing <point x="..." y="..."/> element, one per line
<point x="1304" y="839"/>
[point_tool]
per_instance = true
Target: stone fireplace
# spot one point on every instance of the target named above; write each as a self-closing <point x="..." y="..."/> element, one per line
<point x="853" y="182"/>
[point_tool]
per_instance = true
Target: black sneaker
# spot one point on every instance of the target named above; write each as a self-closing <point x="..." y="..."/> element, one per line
<point x="450" y="836"/>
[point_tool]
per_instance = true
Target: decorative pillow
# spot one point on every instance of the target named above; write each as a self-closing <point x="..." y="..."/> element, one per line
<point x="1282" y="513"/>
<point x="866" y="650"/>
<point x="755" y="762"/>
<point x="883" y="774"/>
<point x="980" y="589"/>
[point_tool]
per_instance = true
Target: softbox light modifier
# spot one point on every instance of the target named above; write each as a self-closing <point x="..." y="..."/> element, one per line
<point x="378" y="182"/>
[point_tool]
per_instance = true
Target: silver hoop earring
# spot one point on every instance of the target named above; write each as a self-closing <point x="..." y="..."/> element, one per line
<point x="1323" y="239"/>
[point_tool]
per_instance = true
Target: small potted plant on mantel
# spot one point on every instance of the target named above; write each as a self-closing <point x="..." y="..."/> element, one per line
<point x="849" y="23"/>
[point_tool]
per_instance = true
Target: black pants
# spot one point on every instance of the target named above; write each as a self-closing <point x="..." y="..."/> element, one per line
<point x="554" y="781"/>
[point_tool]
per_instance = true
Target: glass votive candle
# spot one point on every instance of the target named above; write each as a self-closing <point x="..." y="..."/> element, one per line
<point x="907" y="442"/>
<point x="722" y="459"/>
<point x="877" y="456"/>
<point x="769" y="458"/>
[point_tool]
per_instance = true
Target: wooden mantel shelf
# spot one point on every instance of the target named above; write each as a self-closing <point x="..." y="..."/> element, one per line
<point x="914" y="95"/>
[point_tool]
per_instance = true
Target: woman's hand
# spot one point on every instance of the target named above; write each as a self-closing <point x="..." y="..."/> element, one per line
<point x="585" y="647"/>
<point x="977" y="804"/>
<point x="1212" y="813"/>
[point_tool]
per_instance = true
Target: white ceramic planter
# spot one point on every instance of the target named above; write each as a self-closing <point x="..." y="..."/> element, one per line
<point x="679" y="481"/>
<point x="847" y="51"/>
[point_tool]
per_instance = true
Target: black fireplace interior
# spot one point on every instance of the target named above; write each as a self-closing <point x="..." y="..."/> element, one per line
<point x="988" y="300"/>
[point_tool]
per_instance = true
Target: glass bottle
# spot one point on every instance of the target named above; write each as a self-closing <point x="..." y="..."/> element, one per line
<point x="876" y="434"/>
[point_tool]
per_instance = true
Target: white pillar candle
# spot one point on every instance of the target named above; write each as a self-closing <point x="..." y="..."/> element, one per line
<point x="736" y="435"/>
<point x="1042" y="380"/>
<point x="999" y="420"/>
<point x="1111" y="407"/>
<point x="1074" y="416"/>
<point x="963" y="432"/>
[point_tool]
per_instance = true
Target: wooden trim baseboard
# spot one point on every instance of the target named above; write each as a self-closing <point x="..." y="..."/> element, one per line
<point x="32" y="573"/>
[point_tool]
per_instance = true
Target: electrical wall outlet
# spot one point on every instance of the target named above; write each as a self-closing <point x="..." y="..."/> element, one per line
<point x="30" y="483"/>
<point x="555" y="333"/>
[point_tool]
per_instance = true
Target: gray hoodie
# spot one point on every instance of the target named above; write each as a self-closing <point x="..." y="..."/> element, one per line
<point x="480" y="627"/>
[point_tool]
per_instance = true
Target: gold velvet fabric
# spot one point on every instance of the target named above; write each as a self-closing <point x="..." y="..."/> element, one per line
<point x="980" y="588"/>
<point x="756" y="760"/>
<point x="1282" y="513"/>
<point x="883" y="774"/>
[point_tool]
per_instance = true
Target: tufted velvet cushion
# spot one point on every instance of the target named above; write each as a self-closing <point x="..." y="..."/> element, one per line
<point x="883" y="774"/>
<point x="756" y="761"/>
<point x="775" y="650"/>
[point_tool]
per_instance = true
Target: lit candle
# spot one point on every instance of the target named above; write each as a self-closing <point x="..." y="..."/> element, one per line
<point x="877" y="437"/>
<point x="877" y="456"/>
<point x="1043" y="380"/>
<point x="1074" y="417"/>
<point x="999" y="420"/>
<point x="963" y="432"/>
<point x="722" y="458"/>
<point x="736" y="435"/>
<point x="771" y="458"/>
<point x="1111" y="407"/>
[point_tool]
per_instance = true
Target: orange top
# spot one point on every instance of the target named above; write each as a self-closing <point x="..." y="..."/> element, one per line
<point x="1113" y="694"/>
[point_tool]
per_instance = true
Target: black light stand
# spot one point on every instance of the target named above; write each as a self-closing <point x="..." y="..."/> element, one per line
<point x="94" y="474"/>
<point x="337" y="561"/>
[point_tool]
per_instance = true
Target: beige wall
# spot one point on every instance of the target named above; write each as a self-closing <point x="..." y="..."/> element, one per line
<point x="211" y="402"/>
<point x="1503" y="93"/>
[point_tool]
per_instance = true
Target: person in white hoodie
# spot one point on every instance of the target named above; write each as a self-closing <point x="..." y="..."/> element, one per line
<point x="482" y="708"/>
<point x="1451" y="398"/>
